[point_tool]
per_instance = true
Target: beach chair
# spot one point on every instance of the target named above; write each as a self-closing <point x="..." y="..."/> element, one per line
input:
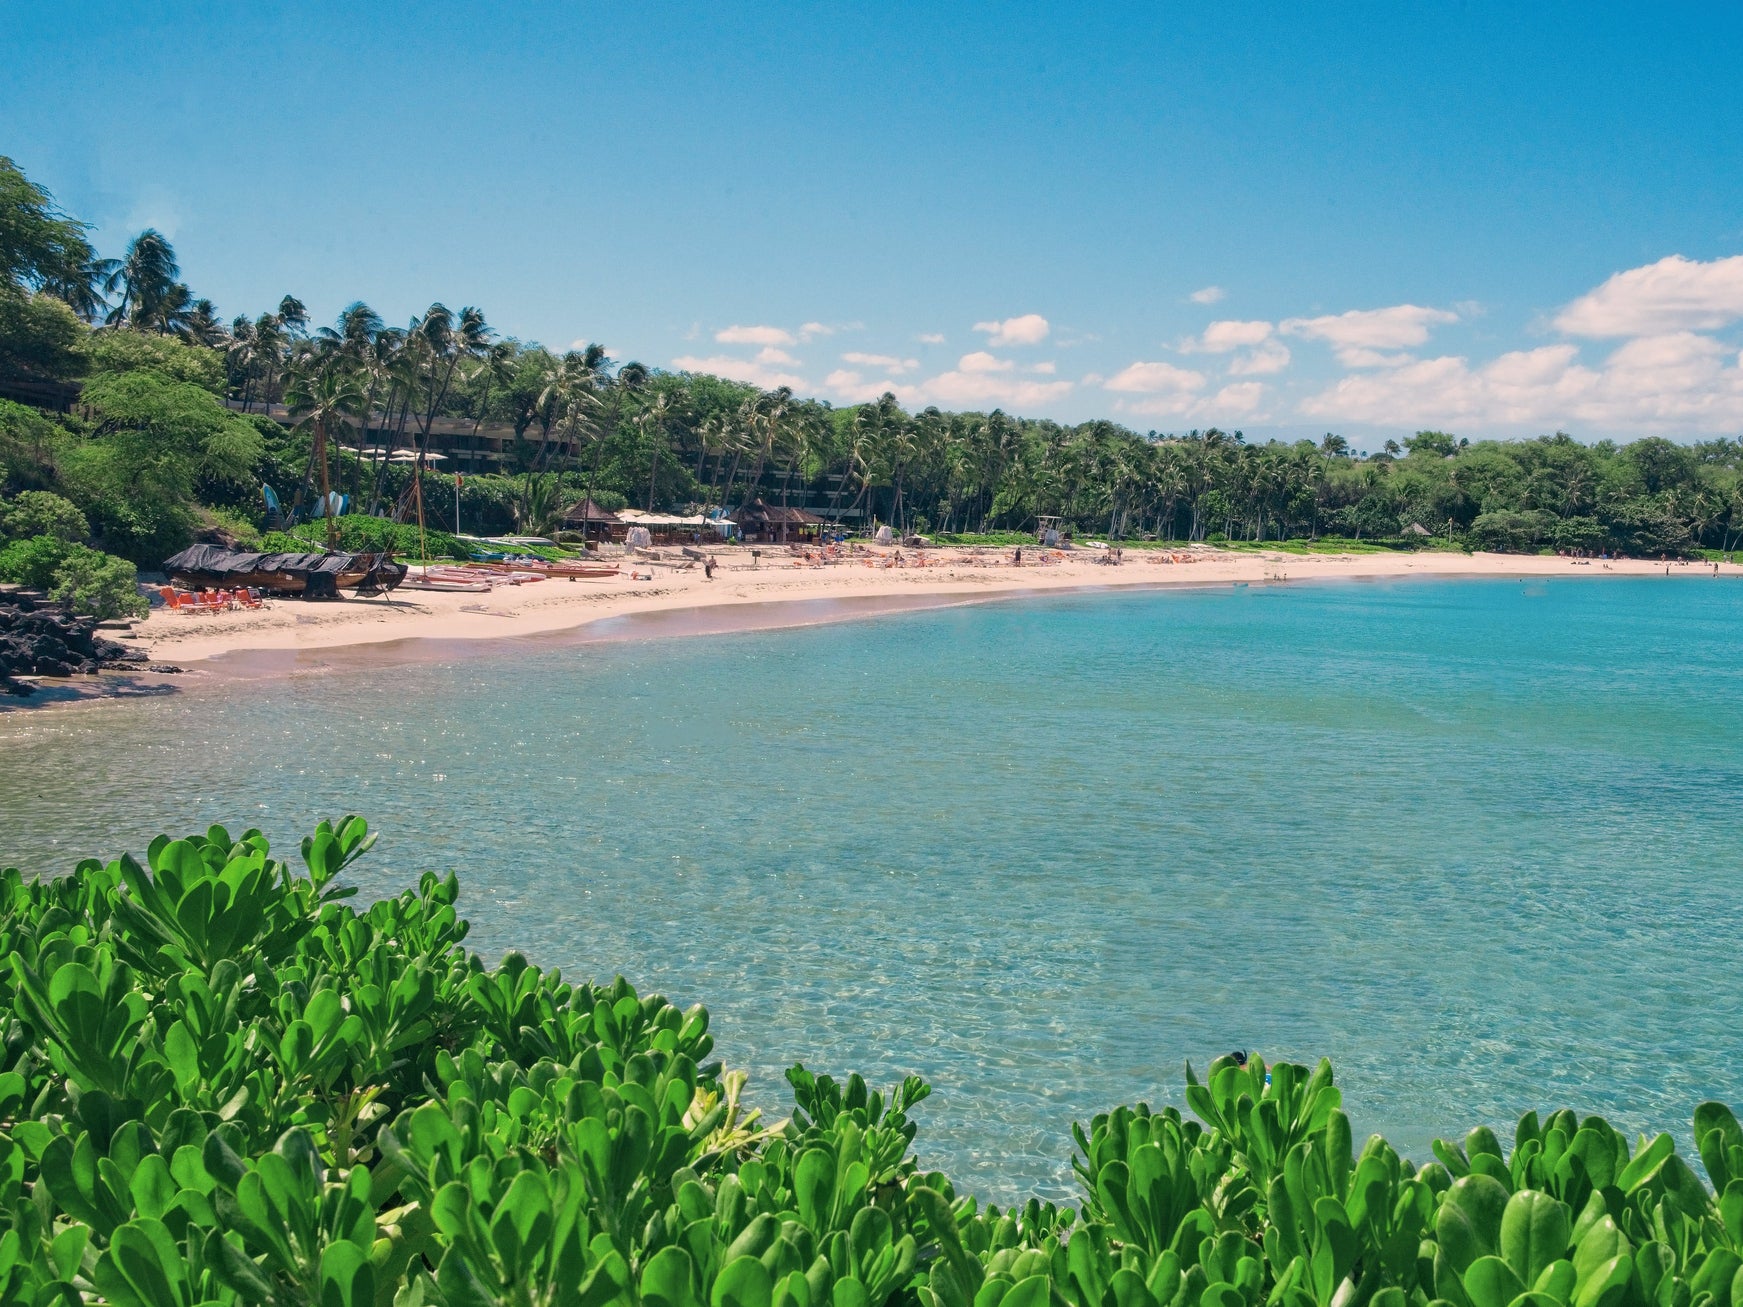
<point x="248" y="599"/>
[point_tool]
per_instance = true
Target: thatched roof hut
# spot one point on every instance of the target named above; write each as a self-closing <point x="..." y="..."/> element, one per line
<point x="774" y="522"/>
<point x="592" y="521"/>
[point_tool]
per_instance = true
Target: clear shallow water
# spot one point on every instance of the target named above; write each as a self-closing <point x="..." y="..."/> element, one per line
<point x="1478" y="841"/>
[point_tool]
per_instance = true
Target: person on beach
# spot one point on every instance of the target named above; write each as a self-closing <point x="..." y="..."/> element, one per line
<point x="708" y="568"/>
<point x="1018" y="560"/>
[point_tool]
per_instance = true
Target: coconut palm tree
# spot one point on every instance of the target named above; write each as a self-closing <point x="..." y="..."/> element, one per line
<point x="572" y="387"/>
<point x="440" y="344"/>
<point x="202" y="326"/>
<point x="145" y="278"/>
<point x="322" y="394"/>
<point x="80" y="286"/>
<point x="651" y="424"/>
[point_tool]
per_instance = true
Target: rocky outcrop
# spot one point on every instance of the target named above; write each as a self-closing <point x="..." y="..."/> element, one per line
<point x="38" y="638"/>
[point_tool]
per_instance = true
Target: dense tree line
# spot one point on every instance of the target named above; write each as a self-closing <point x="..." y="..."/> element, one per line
<point x="153" y="452"/>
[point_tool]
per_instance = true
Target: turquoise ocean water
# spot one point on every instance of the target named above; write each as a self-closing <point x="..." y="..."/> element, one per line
<point x="1477" y="841"/>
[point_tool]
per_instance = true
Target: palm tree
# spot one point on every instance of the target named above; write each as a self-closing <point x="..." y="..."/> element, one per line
<point x="768" y="421"/>
<point x="145" y="278"/>
<point x="80" y="286"/>
<point x="581" y="375"/>
<point x="292" y="316"/>
<point x="370" y="348"/>
<point x="650" y="424"/>
<point x="441" y="343"/>
<point x="202" y="326"/>
<point x="321" y="395"/>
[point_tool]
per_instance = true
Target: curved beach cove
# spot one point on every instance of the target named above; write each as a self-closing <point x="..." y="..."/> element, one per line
<point x="1477" y="841"/>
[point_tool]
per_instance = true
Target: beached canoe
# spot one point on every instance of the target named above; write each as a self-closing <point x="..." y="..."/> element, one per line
<point x="206" y="566"/>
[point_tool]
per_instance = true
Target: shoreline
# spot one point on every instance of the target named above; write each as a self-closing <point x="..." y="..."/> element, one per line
<point x="293" y="637"/>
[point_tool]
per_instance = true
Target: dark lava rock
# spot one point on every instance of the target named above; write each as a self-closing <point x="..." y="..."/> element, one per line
<point x="41" y="639"/>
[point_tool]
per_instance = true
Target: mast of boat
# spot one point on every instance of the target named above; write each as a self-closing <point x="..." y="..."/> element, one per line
<point x="418" y="492"/>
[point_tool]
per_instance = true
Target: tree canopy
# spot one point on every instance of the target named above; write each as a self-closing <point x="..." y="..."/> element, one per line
<point x="155" y="446"/>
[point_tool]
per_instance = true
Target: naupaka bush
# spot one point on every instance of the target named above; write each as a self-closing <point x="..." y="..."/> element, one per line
<point x="220" y="1083"/>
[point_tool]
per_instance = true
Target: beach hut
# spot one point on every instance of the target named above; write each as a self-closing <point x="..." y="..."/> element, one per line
<point x="775" y="524"/>
<point x="592" y="522"/>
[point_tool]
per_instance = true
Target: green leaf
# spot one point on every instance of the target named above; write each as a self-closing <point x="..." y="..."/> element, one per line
<point x="1535" y="1230"/>
<point x="1031" y="1292"/>
<point x="814" y="1187"/>
<point x="1605" y="1284"/>
<point x="1468" y="1224"/>
<point x="745" y="1283"/>
<point x="668" y="1279"/>
<point x="347" y="1278"/>
<point x="1491" y="1282"/>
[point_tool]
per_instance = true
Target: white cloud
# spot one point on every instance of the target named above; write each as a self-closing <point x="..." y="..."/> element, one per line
<point x="1208" y="295"/>
<point x="932" y="338"/>
<point x="156" y="208"/>
<point x="979" y="381"/>
<point x="1221" y="337"/>
<point x="770" y="354"/>
<point x="888" y="362"/>
<point x="1239" y="400"/>
<point x="1373" y="358"/>
<point x="983" y="390"/>
<point x="811" y="330"/>
<point x="1030" y="329"/>
<point x="1175" y="392"/>
<point x="737" y="335"/>
<point x="851" y="387"/>
<point x="1673" y="382"/>
<point x="1397" y="327"/>
<point x="1269" y="358"/>
<point x="1151" y="378"/>
<point x="981" y="361"/>
<point x="1673" y="294"/>
<point x="737" y="369"/>
<point x="1044" y="369"/>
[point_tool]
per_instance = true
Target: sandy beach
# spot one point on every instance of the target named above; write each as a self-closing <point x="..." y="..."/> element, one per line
<point x="768" y="588"/>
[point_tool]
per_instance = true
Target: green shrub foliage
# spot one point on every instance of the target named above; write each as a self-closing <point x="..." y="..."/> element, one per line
<point x="98" y="585"/>
<point x="88" y="582"/>
<point x="33" y="562"/>
<point x="221" y="1084"/>
<point x="41" y="512"/>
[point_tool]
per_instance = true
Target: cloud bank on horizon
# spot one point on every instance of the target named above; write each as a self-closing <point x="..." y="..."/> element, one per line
<point x="1652" y="350"/>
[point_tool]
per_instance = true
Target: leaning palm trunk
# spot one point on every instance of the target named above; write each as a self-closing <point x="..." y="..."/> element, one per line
<point x="326" y="485"/>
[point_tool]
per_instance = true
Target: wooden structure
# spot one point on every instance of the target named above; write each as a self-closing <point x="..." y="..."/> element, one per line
<point x="592" y="522"/>
<point x="776" y="524"/>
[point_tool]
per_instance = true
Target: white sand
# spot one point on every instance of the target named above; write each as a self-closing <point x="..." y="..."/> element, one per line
<point x="949" y="576"/>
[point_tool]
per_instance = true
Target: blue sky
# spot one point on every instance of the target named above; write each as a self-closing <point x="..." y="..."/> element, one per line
<point x="1498" y="219"/>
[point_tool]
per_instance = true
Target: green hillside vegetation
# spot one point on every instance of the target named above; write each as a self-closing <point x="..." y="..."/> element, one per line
<point x="153" y="458"/>
<point x="222" y="1084"/>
